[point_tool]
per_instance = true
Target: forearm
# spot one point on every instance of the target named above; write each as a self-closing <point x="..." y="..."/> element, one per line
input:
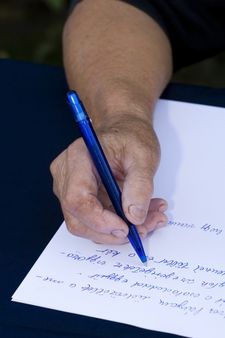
<point x="116" y="57"/>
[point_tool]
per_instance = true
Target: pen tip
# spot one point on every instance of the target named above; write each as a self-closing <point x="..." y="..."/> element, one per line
<point x="145" y="263"/>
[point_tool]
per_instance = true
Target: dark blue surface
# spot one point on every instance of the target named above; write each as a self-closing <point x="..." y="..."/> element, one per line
<point x="36" y="125"/>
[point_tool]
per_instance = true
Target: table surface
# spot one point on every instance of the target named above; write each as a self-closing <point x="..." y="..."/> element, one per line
<point x="36" y="126"/>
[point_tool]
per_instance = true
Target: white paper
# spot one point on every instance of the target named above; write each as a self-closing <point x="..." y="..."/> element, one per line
<point x="182" y="291"/>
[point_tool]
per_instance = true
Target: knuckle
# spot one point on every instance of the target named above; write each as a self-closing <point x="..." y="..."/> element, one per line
<point x="70" y="202"/>
<point x="78" y="204"/>
<point x="90" y="202"/>
<point x="58" y="167"/>
<point x="76" y="147"/>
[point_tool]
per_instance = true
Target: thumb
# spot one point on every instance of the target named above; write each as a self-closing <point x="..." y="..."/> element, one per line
<point x="137" y="192"/>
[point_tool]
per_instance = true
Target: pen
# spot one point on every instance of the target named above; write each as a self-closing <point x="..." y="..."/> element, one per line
<point x="99" y="159"/>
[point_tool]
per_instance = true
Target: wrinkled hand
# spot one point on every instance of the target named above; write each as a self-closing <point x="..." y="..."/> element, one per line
<point x="132" y="150"/>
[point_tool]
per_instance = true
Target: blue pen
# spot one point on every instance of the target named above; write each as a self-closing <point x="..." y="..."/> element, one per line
<point x="103" y="168"/>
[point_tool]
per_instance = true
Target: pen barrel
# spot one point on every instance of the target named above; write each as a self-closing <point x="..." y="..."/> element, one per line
<point x="101" y="163"/>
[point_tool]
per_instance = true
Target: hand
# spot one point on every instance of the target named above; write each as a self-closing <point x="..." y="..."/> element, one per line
<point x="132" y="150"/>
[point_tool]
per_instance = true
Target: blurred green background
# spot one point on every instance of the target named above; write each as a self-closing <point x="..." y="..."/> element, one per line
<point x="31" y="30"/>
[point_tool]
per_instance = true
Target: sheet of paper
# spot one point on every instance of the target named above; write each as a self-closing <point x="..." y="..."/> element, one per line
<point x="182" y="290"/>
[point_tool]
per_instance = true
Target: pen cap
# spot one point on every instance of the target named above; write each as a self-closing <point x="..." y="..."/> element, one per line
<point x="77" y="107"/>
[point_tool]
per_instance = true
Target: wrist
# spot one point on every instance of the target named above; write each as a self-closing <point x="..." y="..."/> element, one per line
<point x="119" y="101"/>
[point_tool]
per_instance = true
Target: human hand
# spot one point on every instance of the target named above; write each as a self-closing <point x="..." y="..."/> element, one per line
<point x="132" y="150"/>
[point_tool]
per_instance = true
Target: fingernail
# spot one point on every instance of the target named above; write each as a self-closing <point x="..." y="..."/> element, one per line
<point x="162" y="207"/>
<point x="119" y="233"/>
<point x="142" y="235"/>
<point x="137" y="212"/>
<point x="160" y="224"/>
